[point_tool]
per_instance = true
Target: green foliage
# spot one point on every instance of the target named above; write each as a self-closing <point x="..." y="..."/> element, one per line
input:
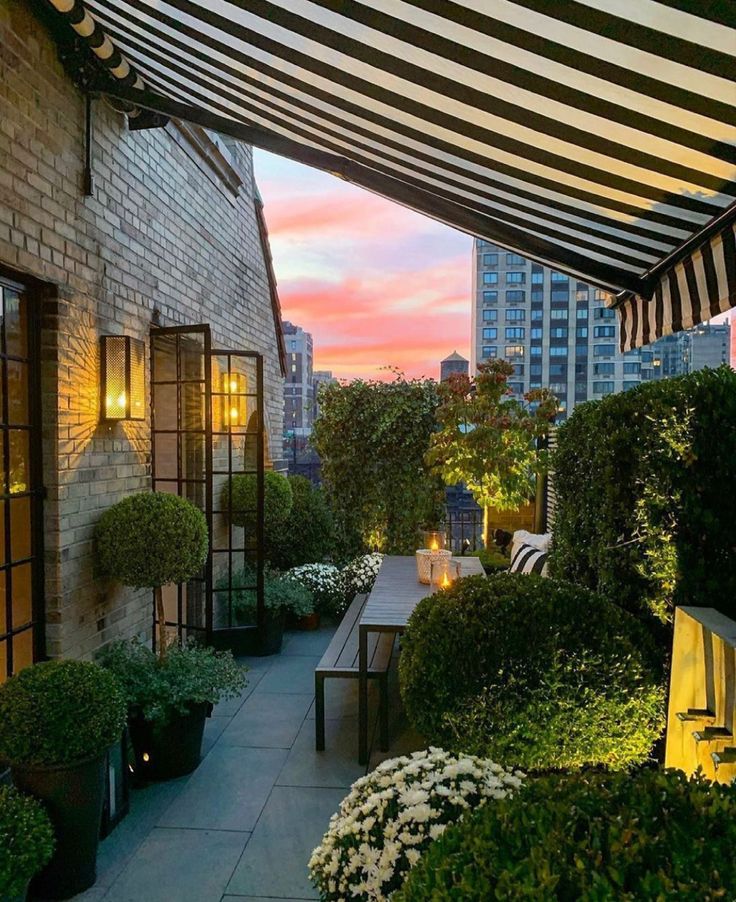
<point x="533" y="673"/>
<point x="492" y="559"/>
<point x="308" y="533"/>
<point x="58" y="713"/>
<point x="280" y="594"/>
<point x="26" y="841"/>
<point x="372" y="438"/>
<point x="151" y="539"/>
<point x="645" y="514"/>
<point x="326" y="585"/>
<point x="243" y="505"/>
<point x="646" y="837"/>
<point x="158" y="687"/>
<point x="487" y="439"/>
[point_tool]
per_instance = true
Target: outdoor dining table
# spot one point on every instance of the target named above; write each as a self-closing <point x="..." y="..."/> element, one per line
<point x="395" y="594"/>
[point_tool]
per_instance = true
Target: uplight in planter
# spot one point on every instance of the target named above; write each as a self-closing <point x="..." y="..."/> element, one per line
<point x="122" y="378"/>
<point x="234" y="401"/>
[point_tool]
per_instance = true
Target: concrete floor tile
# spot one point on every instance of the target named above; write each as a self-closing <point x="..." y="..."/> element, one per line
<point x="337" y="766"/>
<point x="294" y="674"/>
<point x="232" y="705"/>
<point x="267" y="720"/>
<point x="310" y="643"/>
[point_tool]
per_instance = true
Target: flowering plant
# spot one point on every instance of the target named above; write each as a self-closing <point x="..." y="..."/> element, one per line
<point x="325" y="584"/>
<point x="359" y="575"/>
<point x="392" y="815"/>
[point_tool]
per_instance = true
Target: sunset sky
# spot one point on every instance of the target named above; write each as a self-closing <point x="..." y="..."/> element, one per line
<point x="377" y="285"/>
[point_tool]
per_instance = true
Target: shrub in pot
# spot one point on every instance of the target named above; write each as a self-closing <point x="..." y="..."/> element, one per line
<point x="57" y="721"/>
<point x="240" y="498"/>
<point x="325" y="584"/>
<point x="533" y="673"/>
<point x="643" y="837"/>
<point x="168" y="699"/>
<point x="308" y="533"/>
<point x="26" y="842"/>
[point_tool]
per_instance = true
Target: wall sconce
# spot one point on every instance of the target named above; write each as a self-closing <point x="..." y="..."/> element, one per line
<point x="234" y="401"/>
<point x="122" y="378"/>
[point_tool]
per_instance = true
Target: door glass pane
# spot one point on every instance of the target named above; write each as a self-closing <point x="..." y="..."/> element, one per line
<point x="20" y="528"/>
<point x="19" y="469"/>
<point x="22" y="599"/>
<point x="17" y="392"/>
<point x="16" y="324"/>
<point x="164" y="405"/>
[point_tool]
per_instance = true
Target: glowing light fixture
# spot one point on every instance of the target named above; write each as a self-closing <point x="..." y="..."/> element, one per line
<point x="234" y="401"/>
<point x="122" y="378"/>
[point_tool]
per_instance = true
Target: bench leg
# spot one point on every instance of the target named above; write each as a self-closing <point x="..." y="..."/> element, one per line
<point x="319" y="710"/>
<point x="383" y="712"/>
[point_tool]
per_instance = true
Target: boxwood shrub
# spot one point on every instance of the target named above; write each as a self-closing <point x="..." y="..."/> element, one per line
<point x="58" y="713"/>
<point x="645" y="515"/>
<point x="307" y="535"/>
<point x="533" y="673"/>
<point x="591" y="837"/>
<point x="240" y="497"/>
<point x="26" y="841"/>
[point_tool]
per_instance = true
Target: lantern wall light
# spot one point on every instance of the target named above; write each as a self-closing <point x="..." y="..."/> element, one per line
<point x="122" y="378"/>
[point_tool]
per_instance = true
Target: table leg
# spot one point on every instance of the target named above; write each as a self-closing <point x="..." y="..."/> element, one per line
<point x="362" y="695"/>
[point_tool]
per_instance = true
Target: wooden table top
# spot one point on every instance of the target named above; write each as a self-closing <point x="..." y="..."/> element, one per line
<point x="397" y="591"/>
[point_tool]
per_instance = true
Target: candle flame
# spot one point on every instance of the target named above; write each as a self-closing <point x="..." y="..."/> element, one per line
<point x="444" y="582"/>
<point x="434" y="545"/>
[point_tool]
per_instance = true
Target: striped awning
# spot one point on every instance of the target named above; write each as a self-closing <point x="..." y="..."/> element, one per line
<point x="595" y="136"/>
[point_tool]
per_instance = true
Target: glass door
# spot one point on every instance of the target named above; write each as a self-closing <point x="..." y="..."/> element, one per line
<point x="21" y="492"/>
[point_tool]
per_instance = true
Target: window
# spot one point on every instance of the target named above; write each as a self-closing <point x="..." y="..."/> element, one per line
<point x="490" y="259"/>
<point x="515" y="316"/>
<point x="490" y="351"/>
<point x="490" y="334"/>
<point x="604" y="313"/>
<point x="535" y="383"/>
<point x="514" y="260"/>
<point x="557" y="369"/>
<point x="581" y="332"/>
<point x="535" y="350"/>
<point x="631" y="368"/>
<point x="581" y="313"/>
<point x="581" y="369"/>
<point x="581" y="294"/>
<point x="559" y="295"/>
<point x="581" y="350"/>
<point x="537" y="295"/>
<point x="490" y="316"/>
<point x="513" y="351"/>
<point x="536" y="332"/>
<point x="603" y="388"/>
<point x="518" y="369"/>
<point x="647" y="356"/>
<point x="559" y="388"/>
<point x="604" y="332"/>
<point x="515" y="278"/>
<point x="604" y="369"/>
<point x="490" y="278"/>
<point x="558" y="332"/>
<point x="481" y="242"/>
<point x="515" y="296"/>
<point x="601" y="295"/>
<point x="581" y="390"/>
<point x="558" y="314"/>
<point x="537" y="313"/>
<point x="515" y="333"/>
<point x="535" y="369"/>
<point x="604" y="350"/>
<point x="560" y="351"/>
<point x="490" y="297"/>
<point x="559" y="277"/>
<point x="629" y="384"/>
<point x="537" y="277"/>
<point x="516" y="387"/>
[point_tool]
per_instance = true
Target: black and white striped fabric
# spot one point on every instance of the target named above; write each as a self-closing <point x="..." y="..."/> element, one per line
<point x="596" y="136"/>
<point x="528" y="559"/>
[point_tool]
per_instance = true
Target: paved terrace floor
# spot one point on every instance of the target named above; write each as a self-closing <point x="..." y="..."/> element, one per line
<point x="243" y="825"/>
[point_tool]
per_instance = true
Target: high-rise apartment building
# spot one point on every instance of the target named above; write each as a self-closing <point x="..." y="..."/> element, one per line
<point x="299" y="384"/>
<point x="695" y="349"/>
<point x="555" y="330"/>
<point x="321" y="377"/>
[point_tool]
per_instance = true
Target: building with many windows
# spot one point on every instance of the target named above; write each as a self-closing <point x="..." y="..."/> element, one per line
<point x="703" y="346"/>
<point x="299" y="385"/>
<point x="556" y="331"/>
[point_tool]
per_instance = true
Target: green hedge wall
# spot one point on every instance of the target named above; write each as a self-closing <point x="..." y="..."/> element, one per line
<point x="646" y="502"/>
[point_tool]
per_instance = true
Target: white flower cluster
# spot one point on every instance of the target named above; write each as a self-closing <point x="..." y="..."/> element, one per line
<point x="325" y="583"/>
<point x="360" y="574"/>
<point x="392" y="815"/>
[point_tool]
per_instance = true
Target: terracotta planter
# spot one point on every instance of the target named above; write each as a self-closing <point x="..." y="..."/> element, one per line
<point x="73" y="796"/>
<point x="309" y="622"/>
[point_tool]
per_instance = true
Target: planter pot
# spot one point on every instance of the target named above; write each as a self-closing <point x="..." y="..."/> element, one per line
<point x="273" y="635"/>
<point x="307" y="623"/>
<point x="73" y="798"/>
<point x="168" y="748"/>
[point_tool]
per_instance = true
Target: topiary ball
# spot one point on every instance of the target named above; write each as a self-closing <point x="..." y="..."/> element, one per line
<point x="26" y="841"/>
<point x="151" y="539"/>
<point x="240" y="498"/>
<point x="58" y="713"/>
<point x="533" y="673"/>
<point x="646" y="837"/>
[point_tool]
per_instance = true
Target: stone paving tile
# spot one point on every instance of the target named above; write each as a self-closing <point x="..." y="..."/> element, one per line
<point x="267" y="720"/>
<point x="341" y="698"/>
<point x="181" y="865"/>
<point x="213" y="729"/>
<point x="227" y="791"/>
<point x="294" y="674"/>
<point x="274" y="863"/>
<point x="337" y="766"/>
<point x="260" y="899"/>
<point x="313" y="642"/>
<point x="232" y="705"/>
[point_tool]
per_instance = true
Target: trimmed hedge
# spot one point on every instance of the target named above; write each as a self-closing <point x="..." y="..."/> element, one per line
<point x="590" y="837"/>
<point x="646" y="514"/>
<point x="533" y="673"/>
<point x="308" y="533"/>
<point x="242" y="492"/>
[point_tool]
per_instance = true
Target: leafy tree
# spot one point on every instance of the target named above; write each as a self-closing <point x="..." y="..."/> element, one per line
<point x="487" y="439"/>
<point x="372" y="438"/>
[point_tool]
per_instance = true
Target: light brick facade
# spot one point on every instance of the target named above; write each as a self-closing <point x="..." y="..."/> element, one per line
<point x="166" y="237"/>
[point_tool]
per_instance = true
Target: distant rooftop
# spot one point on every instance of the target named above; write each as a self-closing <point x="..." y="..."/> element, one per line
<point x="455" y="356"/>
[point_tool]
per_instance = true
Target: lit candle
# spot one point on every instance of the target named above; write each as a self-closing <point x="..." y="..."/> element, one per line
<point x="434" y="546"/>
<point x="445" y="581"/>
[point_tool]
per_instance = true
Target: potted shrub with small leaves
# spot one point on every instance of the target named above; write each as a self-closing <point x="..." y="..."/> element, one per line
<point x="57" y="721"/>
<point x="168" y="700"/>
<point x="240" y="499"/>
<point x="26" y="842"/>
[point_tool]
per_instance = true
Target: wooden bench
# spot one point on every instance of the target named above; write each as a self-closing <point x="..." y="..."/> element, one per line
<point x="341" y="660"/>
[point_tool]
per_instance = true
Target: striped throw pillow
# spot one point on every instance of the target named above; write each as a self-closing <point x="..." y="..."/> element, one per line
<point x="527" y="559"/>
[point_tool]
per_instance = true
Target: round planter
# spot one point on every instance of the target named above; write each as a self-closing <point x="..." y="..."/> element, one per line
<point x="73" y="796"/>
<point x="168" y="748"/>
<point x="273" y="634"/>
<point x="309" y="622"/>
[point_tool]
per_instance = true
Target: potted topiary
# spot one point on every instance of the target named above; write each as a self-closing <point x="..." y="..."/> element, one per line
<point x="168" y="699"/>
<point x="57" y="721"/>
<point x="26" y="842"/>
<point x="239" y="498"/>
<point x="150" y="540"/>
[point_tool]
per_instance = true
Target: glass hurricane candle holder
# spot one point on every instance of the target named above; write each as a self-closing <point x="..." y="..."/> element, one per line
<point x="434" y="539"/>
<point x="444" y="572"/>
<point x="424" y="558"/>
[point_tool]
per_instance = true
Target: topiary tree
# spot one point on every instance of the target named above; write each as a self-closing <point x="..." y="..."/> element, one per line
<point x="533" y="673"/>
<point x="307" y="535"/>
<point x="647" y="837"/>
<point x="151" y="540"/>
<point x="240" y="498"/>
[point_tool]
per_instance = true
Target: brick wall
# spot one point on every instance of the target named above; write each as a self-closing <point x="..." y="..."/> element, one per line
<point x="163" y="238"/>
